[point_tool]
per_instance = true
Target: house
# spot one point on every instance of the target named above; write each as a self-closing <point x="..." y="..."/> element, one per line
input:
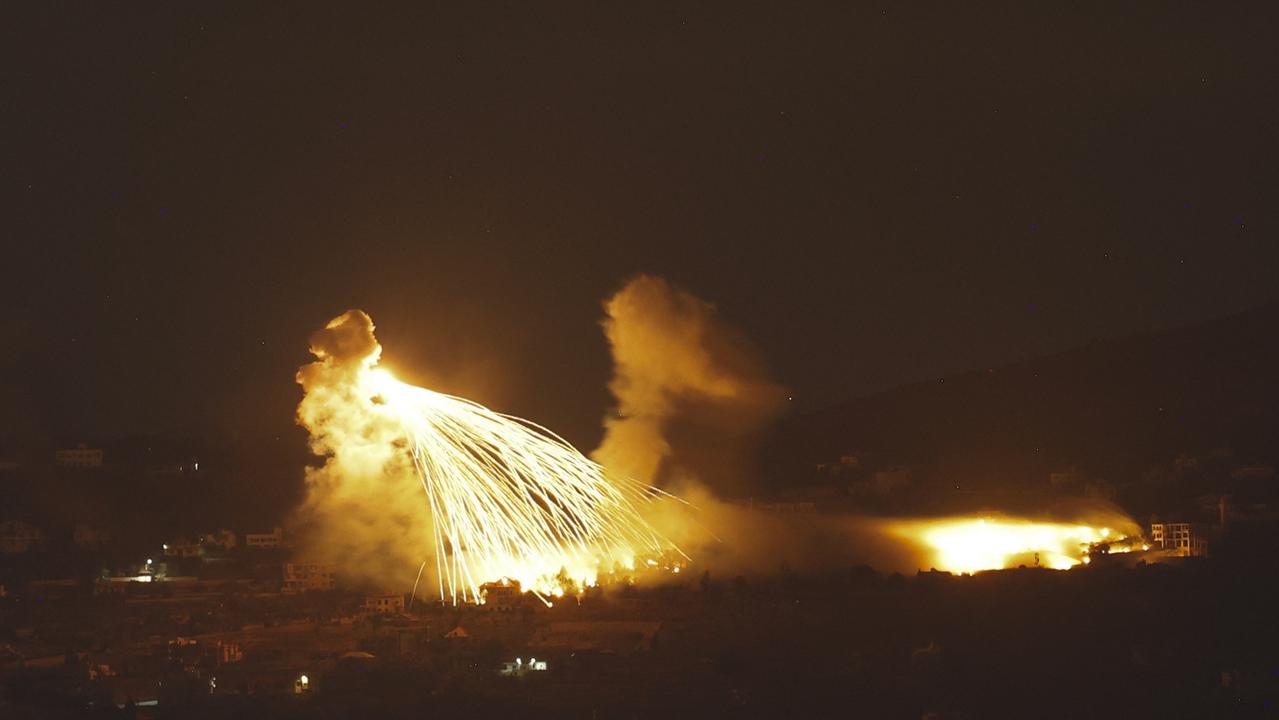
<point x="307" y="577"/>
<point x="273" y="539"/>
<point x="385" y="603"/>
<point x="502" y="595"/>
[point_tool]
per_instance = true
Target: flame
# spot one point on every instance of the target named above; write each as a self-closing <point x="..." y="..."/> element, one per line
<point x="506" y="498"/>
<point x="972" y="544"/>
<point x="509" y="499"/>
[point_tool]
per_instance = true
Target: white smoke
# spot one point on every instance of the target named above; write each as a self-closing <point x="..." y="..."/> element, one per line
<point x="677" y="366"/>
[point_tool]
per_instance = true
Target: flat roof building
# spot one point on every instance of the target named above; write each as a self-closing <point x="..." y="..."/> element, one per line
<point x="81" y="456"/>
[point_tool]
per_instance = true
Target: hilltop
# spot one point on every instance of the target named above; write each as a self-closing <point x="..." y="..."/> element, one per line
<point x="1118" y="410"/>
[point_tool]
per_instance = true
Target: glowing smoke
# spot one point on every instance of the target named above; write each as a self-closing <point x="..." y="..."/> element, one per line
<point x="364" y="505"/>
<point x="506" y="498"/>
<point x="691" y="398"/>
<point x="968" y="544"/>
<point x="689" y="390"/>
<point x="684" y="382"/>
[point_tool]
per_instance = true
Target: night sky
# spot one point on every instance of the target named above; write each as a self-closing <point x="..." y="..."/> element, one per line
<point x="876" y="194"/>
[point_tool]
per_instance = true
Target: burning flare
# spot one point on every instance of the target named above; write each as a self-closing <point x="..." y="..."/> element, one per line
<point x="507" y="498"/>
<point x="971" y="544"/>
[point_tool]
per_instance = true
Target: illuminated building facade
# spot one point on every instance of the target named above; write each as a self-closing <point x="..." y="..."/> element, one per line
<point x="273" y="539"/>
<point x="1182" y="539"/>
<point x="384" y="603"/>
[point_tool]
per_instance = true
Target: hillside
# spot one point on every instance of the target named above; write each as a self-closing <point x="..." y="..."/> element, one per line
<point x="1111" y="409"/>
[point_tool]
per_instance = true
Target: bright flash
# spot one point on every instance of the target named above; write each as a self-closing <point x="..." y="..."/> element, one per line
<point x="507" y="499"/>
<point x="510" y="499"/>
<point x="966" y="545"/>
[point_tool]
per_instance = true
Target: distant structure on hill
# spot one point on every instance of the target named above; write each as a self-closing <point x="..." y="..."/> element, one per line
<point x="1182" y="539"/>
<point x="80" y="456"/>
<point x="385" y="603"/>
<point x="273" y="539"/>
<point x="308" y="577"/>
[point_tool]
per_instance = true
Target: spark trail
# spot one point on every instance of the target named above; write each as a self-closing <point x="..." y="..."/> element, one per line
<point x="507" y="498"/>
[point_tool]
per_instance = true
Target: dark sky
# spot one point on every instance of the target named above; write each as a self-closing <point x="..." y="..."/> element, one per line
<point x="875" y="193"/>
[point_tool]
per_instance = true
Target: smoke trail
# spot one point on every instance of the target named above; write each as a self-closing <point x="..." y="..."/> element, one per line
<point x="689" y="389"/>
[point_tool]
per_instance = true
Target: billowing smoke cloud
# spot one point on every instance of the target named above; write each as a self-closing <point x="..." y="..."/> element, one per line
<point x="683" y="380"/>
<point x="690" y="391"/>
<point x="364" y="505"/>
<point x="691" y="398"/>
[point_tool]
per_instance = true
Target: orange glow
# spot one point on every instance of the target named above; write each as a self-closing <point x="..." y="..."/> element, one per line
<point x="972" y="544"/>
<point x="500" y="497"/>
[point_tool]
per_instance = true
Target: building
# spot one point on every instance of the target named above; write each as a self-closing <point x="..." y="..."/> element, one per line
<point x="229" y="652"/>
<point x="273" y="539"/>
<point x="502" y="595"/>
<point x="1181" y="539"/>
<point x="519" y="667"/>
<point x="384" y="603"/>
<point x="17" y="537"/>
<point x="183" y="548"/>
<point x="224" y="539"/>
<point x="308" y="577"/>
<point x="81" y="456"/>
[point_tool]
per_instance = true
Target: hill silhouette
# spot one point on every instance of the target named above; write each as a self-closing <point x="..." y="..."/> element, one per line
<point x="1111" y="409"/>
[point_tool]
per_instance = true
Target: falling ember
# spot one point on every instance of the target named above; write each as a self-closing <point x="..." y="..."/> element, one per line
<point x="508" y="499"/>
<point x="972" y="544"/>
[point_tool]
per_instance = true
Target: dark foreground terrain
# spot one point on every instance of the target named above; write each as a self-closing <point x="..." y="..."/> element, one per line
<point x="1196" y="638"/>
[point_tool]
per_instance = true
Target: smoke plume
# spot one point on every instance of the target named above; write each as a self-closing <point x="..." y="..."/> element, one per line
<point x="364" y="503"/>
<point x="690" y="392"/>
